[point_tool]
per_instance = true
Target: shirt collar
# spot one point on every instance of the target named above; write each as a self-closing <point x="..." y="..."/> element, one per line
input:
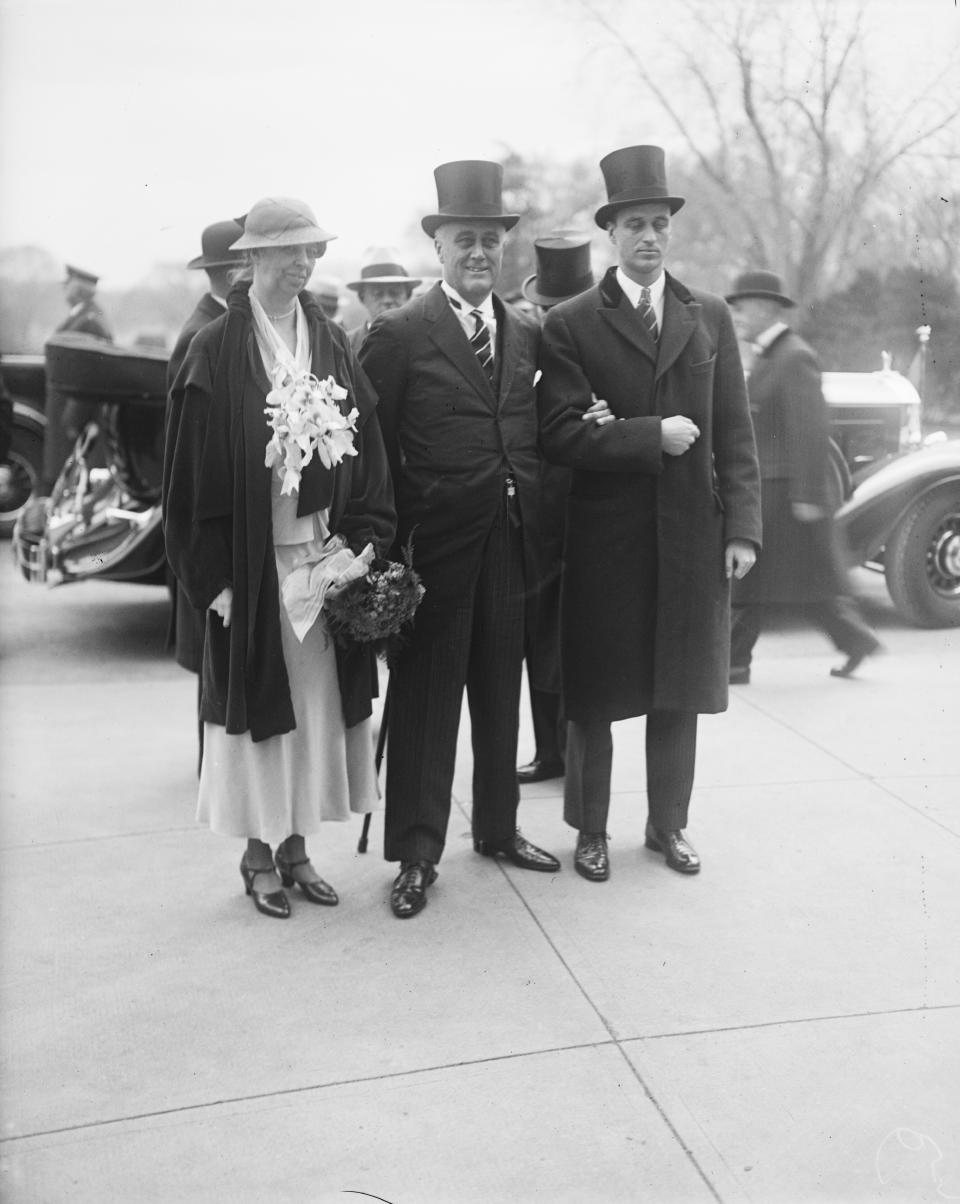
<point x="633" y="290"/>
<point x="485" y="306"/>
<point x="219" y="300"/>
<point x="768" y="336"/>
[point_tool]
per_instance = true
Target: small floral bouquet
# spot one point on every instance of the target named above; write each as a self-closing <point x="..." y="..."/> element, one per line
<point x="303" y="413"/>
<point x="374" y="609"/>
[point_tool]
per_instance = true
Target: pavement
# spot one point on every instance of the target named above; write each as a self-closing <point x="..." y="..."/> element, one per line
<point x="785" y="1027"/>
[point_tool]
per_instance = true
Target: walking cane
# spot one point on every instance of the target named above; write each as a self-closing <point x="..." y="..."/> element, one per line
<point x="377" y="761"/>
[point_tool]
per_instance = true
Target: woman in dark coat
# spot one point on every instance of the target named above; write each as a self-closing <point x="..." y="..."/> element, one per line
<point x="286" y="712"/>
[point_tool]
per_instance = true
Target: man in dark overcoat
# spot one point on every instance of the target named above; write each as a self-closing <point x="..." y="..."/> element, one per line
<point x="454" y="371"/>
<point x="800" y="566"/>
<point x="664" y="509"/>
<point x="563" y="271"/>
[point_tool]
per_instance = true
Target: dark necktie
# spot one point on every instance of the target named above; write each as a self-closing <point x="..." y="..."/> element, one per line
<point x="480" y="342"/>
<point x="647" y="314"/>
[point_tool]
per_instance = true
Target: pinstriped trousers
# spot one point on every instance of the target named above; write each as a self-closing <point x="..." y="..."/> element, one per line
<point x="671" y="752"/>
<point x="479" y="648"/>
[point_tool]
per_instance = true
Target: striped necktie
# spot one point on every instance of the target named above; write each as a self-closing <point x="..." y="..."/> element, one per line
<point x="481" y="344"/>
<point x="647" y="314"/>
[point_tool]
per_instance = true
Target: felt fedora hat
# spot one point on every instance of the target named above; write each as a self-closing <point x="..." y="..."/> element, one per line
<point x="75" y="273"/>
<point x="381" y="265"/>
<point x="635" y="175"/>
<point x="215" y="243"/>
<point x="469" y="190"/>
<point x="280" y="221"/>
<point x="759" y="284"/>
<point x="563" y="268"/>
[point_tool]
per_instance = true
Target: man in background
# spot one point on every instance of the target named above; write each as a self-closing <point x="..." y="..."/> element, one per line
<point x="800" y="565"/>
<point x="384" y="284"/>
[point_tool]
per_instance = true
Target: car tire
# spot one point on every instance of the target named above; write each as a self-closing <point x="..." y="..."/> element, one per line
<point x="24" y="458"/>
<point x="922" y="561"/>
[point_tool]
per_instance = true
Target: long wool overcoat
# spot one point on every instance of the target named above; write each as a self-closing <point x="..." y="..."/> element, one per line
<point x="645" y="600"/>
<point x="799" y="562"/>
<point x="217" y="514"/>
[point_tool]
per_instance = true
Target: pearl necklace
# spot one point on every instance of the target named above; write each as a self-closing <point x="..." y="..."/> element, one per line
<point x="280" y="317"/>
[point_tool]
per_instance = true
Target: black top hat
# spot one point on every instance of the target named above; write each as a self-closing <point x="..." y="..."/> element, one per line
<point x="759" y="284"/>
<point x="74" y="273"/>
<point x="215" y="246"/>
<point x="469" y="190"/>
<point x="563" y="269"/>
<point x="634" y="175"/>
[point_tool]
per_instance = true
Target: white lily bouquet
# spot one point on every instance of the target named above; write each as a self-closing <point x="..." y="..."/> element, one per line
<point x="303" y="413"/>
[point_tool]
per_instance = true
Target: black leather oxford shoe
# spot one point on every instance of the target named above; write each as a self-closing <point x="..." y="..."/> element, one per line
<point x="679" y="852"/>
<point x="409" y="894"/>
<point x="519" y="852"/>
<point x="539" y="771"/>
<point x="591" y="860"/>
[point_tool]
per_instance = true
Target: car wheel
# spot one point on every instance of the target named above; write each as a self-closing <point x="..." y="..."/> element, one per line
<point x="23" y="460"/>
<point x="922" y="561"/>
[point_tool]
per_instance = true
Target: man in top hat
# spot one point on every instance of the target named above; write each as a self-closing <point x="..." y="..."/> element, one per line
<point x="384" y="284"/>
<point x="454" y="370"/>
<point x="664" y="509"/>
<point x="800" y="565"/>
<point x="563" y="271"/>
<point x="217" y="260"/>
<point x="65" y="415"/>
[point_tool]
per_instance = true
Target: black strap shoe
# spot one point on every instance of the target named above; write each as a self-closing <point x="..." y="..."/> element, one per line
<point x="272" y="903"/>
<point x="679" y="852"/>
<point x="317" y="891"/>
<point x="519" y="852"/>
<point x="409" y="894"/>
<point x="592" y="860"/>
<point x="539" y="771"/>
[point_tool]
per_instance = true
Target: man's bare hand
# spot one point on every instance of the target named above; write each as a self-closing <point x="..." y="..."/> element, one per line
<point x="599" y="412"/>
<point x="223" y="605"/>
<point x="740" y="556"/>
<point x="677" y="434"/>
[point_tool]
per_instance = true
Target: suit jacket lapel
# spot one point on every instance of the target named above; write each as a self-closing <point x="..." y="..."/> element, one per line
<point x="680" y="320"/>
<point x="508" y="349"/>
<point x="449" y="337"/>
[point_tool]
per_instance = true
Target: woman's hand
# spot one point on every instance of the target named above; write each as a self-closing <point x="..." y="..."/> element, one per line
<point x="223" y="605"/>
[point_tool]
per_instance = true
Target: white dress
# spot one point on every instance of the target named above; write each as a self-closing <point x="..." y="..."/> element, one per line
<point x="321" y="770"/>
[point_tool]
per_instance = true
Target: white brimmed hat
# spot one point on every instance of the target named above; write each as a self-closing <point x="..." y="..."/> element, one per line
<point x="279" y="221"/>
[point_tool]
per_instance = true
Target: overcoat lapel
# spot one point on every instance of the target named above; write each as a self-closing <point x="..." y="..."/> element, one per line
<point x="615" y="309"/>
<point x="449" y="337"/>
<point x="680" y="319"/>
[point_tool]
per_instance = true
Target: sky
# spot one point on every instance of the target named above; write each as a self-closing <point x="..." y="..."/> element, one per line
<point x="128" y="125"/>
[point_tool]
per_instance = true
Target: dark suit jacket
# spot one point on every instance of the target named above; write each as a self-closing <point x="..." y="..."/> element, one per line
<point x="88" y="319"/>
<point x="452" y="439"/>
<point x="207" y="308"/>
<point x="645" y="598"/>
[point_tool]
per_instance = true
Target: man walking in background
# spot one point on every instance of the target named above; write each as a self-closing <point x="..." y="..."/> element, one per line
<point x="800" y="565"/>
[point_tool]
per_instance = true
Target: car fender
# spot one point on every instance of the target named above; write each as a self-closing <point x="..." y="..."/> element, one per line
<point x="880" y="502"/>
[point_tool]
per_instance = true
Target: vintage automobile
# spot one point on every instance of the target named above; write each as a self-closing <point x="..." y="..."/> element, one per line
<point x="904" y="518"/>
<point x="103" y="516"/>
<point x="25" y="379"/>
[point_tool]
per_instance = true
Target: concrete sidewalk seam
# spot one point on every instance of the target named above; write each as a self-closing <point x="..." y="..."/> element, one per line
<point x="111" y="1121"/>
<point x="745" y="1028"/>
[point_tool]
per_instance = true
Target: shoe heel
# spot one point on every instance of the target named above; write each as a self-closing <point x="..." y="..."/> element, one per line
<point x="287" y="879"/>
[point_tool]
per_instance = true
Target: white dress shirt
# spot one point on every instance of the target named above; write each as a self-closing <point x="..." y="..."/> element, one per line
<point x="633" y="291"/>
<point x="464" y="311"/>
